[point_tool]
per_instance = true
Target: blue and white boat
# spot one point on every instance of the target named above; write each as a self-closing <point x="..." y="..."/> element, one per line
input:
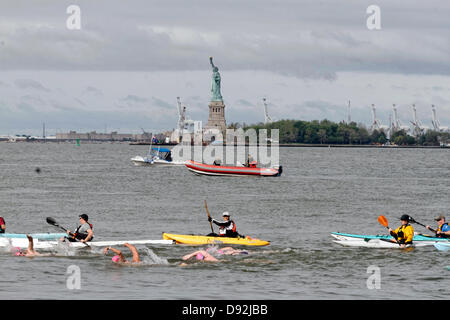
<point x="156" y="156"/>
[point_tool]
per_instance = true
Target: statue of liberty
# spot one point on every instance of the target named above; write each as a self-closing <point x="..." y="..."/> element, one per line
<point x="215" y="84"/>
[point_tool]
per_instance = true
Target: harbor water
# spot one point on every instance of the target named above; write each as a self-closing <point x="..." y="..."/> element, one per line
<point x="321" y="190"/>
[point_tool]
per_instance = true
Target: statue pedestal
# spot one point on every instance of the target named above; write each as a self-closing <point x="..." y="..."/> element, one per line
<point x="216" y="119"/>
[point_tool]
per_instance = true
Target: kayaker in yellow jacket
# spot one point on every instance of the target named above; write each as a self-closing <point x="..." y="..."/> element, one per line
<point x="405" y="233"/>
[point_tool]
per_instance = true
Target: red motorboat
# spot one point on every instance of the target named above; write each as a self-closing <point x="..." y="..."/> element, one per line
<point x="219" y="170"/>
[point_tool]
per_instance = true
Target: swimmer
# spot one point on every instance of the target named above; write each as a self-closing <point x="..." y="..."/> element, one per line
<point x="201" y="255"/>
<point x="207" y="255"/>
<point x="227" y="251"/>
<point x="119" y="258"/>
<point x="29" y="252"/>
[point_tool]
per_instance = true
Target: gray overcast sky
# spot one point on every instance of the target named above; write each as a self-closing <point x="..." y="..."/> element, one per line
<point x="124" y="69"/>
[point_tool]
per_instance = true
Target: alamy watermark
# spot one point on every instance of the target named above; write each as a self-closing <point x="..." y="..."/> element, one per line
<point x="373" y="22"/>
<point x="73" y="22"/>
<point x="73" y="281"/>
<point x="234" y="149"/>
<point x="374" y="280"/>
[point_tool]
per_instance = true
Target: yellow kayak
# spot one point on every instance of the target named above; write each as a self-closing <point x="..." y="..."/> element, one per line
<point x="196" y="239"/>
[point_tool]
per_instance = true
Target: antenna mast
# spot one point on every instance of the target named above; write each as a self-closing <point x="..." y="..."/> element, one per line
<point x="349" y="118"/>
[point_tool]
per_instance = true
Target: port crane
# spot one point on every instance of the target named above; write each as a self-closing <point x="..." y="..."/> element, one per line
<point x="376" y="124"/>
<point x="435" y="122"/>
<point x="396" y="126"/>
<point x="267" y="118"/>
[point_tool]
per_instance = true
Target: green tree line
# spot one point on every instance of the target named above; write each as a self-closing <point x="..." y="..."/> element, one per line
<point x="328" y="132"/>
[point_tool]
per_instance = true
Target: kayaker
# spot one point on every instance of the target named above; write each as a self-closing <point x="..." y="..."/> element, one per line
<point x="227" y="228"/>
<point x="119" y="258"/>
<point x="217" y="162"/>
<point x="405" y="233"/>
<point x="2" y="225"/>
<point x="250" y="161"/>
<point x="443" y="230"/>
<point x="84" y="232"/>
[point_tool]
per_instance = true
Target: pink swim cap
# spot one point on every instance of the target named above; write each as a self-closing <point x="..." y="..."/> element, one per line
<point x="17" y="251"/>
<point x="200" y="256"/>
<point x="115" y="259"/>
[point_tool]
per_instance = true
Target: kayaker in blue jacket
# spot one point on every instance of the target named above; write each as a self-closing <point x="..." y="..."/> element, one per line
<point x="443" y="230"/>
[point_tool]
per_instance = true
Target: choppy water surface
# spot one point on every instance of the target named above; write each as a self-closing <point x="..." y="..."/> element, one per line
<point x="321" y="190"/>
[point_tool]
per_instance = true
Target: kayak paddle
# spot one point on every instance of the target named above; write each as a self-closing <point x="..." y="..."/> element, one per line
<point x="53" y="222"/>
<point x="207" y="211"/>
<point x="384" y="222"/>
<point x="420" y="224"/>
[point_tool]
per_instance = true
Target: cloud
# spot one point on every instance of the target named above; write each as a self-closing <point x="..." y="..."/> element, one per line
<point x="308" y="58"/>
<point x="293" y="38"/>
<point x="30" y="84"/>
<point x="163" y="104"/>
<point x="131" y="98"/>
<point x="25" y="107"/>
<point x="92" y="91"/>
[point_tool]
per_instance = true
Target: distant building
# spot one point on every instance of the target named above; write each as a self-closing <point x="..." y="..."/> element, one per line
<point x="94" y="136"/>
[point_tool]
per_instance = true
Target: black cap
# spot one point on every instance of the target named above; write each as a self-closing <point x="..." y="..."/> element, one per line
<point x="84" y="216"/>
<point x="405" y="217"/>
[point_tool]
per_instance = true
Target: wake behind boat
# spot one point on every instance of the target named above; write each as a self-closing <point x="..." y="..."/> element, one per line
<point x="215" y="170"/>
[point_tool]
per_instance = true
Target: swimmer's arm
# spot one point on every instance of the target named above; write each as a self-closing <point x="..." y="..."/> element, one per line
<point x="30" y="244"/>
<point x="30" y="250"/>
<point x="209" y="257"/>
<point x="188" y="256"/>
<point x="133" y="251"/>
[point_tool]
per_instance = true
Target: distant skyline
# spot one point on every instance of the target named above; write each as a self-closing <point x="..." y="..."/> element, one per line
<point x="124" y="68"/>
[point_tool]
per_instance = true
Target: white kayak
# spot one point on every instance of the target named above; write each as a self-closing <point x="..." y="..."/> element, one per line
<point x="40" y="236"/>
<point x="442" y="246"/>
<point x="44" y="244"/>
<point x="355" y="240"/>
<point x="371" y="243"/>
